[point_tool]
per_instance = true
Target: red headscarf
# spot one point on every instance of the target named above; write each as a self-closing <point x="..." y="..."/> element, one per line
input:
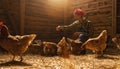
<point x="78" y="12"/>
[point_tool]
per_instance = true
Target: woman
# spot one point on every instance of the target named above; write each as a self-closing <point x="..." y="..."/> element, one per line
<point x="81" y="25"/>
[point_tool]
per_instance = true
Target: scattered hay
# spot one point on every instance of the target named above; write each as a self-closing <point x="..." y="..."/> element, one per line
<point x="56" y="62"/>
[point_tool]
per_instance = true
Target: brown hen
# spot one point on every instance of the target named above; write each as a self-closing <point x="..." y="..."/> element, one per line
<point x="116" y="40"/>
<point x="16" y="45"/>
<point x="97" y="44"/>
<point x="64" y="48"/>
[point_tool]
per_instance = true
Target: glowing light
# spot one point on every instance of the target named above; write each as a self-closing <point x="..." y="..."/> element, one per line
<point x="57" y="2"/>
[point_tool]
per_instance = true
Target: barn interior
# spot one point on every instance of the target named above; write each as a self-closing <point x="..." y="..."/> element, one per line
<point x="41" y="17"/>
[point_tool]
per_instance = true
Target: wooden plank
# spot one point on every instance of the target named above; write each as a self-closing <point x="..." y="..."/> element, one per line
<point x="39" y="27"/>
<point x="114" y="17"/>
<point x="39" y="11"/>
<point x="22" y="17"/>
<point x="39" y="16"/>
<point x="8" y="14"/>
<point x="43" y="21"/>
<point x="52" y="24"/>
<point x="43" y="6"/>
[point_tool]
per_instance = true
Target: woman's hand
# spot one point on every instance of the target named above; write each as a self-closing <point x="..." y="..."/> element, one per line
<point x="59" y="28"/>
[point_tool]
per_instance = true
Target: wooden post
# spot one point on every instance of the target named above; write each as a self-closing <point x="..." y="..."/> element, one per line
<point x="8" y="15"/>
<point x="113" y="17"/>
<point x="22" y="16"/>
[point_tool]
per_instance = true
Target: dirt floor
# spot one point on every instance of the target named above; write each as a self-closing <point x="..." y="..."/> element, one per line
<point x="110" y="60"/>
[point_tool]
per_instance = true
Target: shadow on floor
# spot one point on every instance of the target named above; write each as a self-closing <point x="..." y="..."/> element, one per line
<point x="15" y="63"/>
<point x="107" y="57"/>
<point x="112" y="51"/>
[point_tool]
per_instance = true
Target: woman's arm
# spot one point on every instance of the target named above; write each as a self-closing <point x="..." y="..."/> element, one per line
<point x="72" y="26"/>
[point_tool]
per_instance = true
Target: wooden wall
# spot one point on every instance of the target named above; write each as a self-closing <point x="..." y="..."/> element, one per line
<point x="42" y="17"/>
<point x="9" y="14"/>
<point x="118" y="16"/>
<point x="98" y="11"/>
<point x="34" y="16"/>
<point x="2" y="16"/>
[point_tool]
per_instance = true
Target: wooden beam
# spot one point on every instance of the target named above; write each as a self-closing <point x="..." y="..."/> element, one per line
<point x="10" y="18"/>
<point x="114" y="17"/>
<point x="22" y="16"/>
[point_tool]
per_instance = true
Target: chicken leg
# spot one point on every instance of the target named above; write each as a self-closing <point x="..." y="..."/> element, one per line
<point x="21" y="58"/>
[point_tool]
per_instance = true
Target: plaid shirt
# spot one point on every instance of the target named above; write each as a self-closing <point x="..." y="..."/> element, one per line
<point x="84" y="27"/>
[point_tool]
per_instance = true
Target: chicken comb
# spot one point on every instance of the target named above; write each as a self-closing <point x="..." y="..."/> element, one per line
<point x="1" y="23"/>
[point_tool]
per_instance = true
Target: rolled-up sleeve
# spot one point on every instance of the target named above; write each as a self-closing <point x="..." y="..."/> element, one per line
<point x="72" y="26"/>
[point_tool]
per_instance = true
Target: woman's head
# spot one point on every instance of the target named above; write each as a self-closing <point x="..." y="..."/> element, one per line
<point x="78" y="13"/>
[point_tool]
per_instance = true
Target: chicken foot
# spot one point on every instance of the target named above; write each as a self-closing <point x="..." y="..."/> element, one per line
<point x="13" y="59"/>
<point x="21" y="58"/>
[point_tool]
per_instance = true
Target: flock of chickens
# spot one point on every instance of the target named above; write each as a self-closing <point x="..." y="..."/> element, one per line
<point x="17" y="45"/>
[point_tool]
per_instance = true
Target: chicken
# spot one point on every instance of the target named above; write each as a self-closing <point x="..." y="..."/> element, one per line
<point x="45" y="48"/>
<point x="16" y="45"/>
<point x="97" y="44"/>
<point x="49" y="48"/>
<point x="64" y="48"/>
<point x="116" y="40"/>
<point x="75" y="35"/>
<point x="75" y="46"/>
<point x="36" y="47"/>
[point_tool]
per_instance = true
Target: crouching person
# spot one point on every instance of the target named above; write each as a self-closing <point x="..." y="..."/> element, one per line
<point x="82" y="26"/>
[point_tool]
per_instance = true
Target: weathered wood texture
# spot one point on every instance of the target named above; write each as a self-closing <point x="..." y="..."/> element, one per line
<point x="42" y="17"/>
<point x="98" y="11"/>
<point x="9" y="12"/>
<point x="37" y="16"/>
<point x="118" y="16"/>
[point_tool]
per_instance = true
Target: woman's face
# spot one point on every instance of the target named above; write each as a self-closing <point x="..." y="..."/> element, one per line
<point x="77" y="17"/>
